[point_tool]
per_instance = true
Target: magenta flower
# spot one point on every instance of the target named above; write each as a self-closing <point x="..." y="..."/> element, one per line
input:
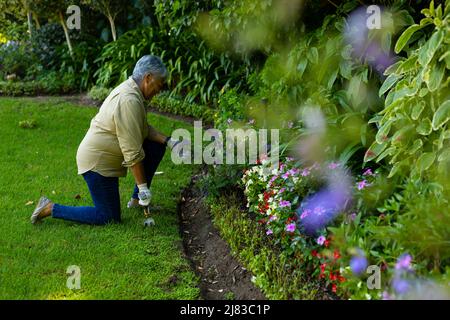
<point x="368" y="172"/>
<point x="282" y="190"/>
<point x="284" y="203"/>
<point x="333" y="165"/>
<point x="404" y="262"/>
<point x="269" y="232"/>
<point x="294" y="171"/>
<point x="305" y="213"/>
<point x="362" y="184"/>
<point x="273" y="179"/>
<point x="286" y="175"/>
<point x="306" y="172"/>
<point x="321" y="240"/>
<point x="290" y="227"/>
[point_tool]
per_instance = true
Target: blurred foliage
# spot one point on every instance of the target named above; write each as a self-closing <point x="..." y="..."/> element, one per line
<point x="413" y="127"/>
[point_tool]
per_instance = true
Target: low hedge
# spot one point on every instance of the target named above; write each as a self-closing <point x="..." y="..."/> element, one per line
<point x="278" y="275"/>
<point x="163" y="102"/>
<point x="33" y="88"/>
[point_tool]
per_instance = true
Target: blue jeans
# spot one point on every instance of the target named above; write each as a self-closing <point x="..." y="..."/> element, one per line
<point x="105" y="192"/>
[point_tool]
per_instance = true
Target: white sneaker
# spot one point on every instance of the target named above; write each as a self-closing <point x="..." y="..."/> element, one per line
<point x="133" y="203"/>
<point x="43" y="202"/>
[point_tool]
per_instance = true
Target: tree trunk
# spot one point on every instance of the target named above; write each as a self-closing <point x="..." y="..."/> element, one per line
<point x="66" y="32"/>
<point x="113" y="26"/>
<point x="30" y="25"/>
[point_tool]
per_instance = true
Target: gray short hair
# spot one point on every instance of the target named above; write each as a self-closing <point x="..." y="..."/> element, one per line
<point x="149" y="64"/>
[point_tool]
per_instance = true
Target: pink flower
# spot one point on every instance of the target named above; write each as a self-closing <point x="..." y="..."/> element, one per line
<point x="282" y="190"/>
<point x="290" y="227"/>
<point x="269" y="232"/>
<point x="294" y="171"/>
<point x="284" y="203"/>
<point x="368" y="172"/>
<point x="321" y="240"/>
<point x="333" y="165"/>
<point x="306" y="172"/>
<point x="286" y="175"/>
<point x="319" y="210"/>
<point x="362" y="184"/>
<point x="305" y="213"/>
<point x="273" y="179"/>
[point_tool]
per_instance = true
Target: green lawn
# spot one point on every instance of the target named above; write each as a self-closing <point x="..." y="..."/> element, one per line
<point x="117" y="261"/>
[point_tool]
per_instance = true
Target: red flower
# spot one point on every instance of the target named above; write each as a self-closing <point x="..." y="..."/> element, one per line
<point x="341" y="279"/>
<point x="334" y="288"/>
<point x="332" y="276"/>
<point x="314" y="253"/>
<point x="327" y="243"/>
<point x="336" y="254"/>
<point x="322" y="267"/>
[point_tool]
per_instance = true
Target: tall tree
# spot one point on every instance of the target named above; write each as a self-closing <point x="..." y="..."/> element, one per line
<point x="109" y="8"/>
<point x="54" y="10"/>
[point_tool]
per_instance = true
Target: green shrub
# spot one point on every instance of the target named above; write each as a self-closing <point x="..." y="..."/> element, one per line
<point x="166" y="103"/>
<point x="99" y="93"/>
<point x="15" y="58"/>
<point x="413" y="127"/>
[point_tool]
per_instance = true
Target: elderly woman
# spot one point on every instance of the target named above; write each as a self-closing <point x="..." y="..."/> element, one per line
<point x="119" y="138"/>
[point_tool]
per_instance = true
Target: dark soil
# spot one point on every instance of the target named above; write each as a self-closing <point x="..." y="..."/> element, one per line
<point x="222" y="276"/>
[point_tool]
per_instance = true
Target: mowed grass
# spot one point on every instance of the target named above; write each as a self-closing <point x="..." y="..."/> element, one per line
<point x="117" y="261"/>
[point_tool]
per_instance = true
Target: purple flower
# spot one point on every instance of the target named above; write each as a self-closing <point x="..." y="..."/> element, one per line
<point x="290" y="227"/>
<point x="273" y="179"/>
<point x="368" y="172"/>
<point x="294" y="171"/>
<point x="358" y="264"/>
<point x="333" y="165"/>
<point x="269" y="232"/>
<point x="321" y="240"/>
<point x="282" y="190"/>
<point x="386" y="296"/>
<point x="306" y="172"/>
<point x="286" y="175"/>
<point x="305" y="213"/>
<point x="404" y="262"/>
<point x="362" y="184"/>
<point x="353" y="216"/>
<point x="401" y="286"/>
<point x="284" y="203"/>
<point x="319" y="210"/>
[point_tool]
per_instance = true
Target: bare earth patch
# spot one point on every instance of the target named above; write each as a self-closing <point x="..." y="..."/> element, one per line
<point x="222" y="276"/>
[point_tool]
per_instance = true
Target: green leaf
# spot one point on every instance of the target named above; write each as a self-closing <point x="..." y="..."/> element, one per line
<point x="313" y="55"/>
<point x="417" y="110"/>
<point x="426" y="53"/>
<point x="416" y="146"/>
<point x="374" y="151"/>
<point x="424" y="128"/>
<point x="383" y="132"/>
<point x="444" y="156"/>
<point x="407" y="65"/>
<point x="442" y="115"/>
<point x="388" y="83"/>
<point x="406" y="35"/>
<point x="436" y="76"/>
<point x="426" y="160"/>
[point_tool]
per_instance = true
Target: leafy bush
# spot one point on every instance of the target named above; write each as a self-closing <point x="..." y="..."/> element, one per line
<point x="15" y="58"/>
<point x="413" y="127"/>
<point x="99" y="93"/>
<point x="166" y="103"/>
